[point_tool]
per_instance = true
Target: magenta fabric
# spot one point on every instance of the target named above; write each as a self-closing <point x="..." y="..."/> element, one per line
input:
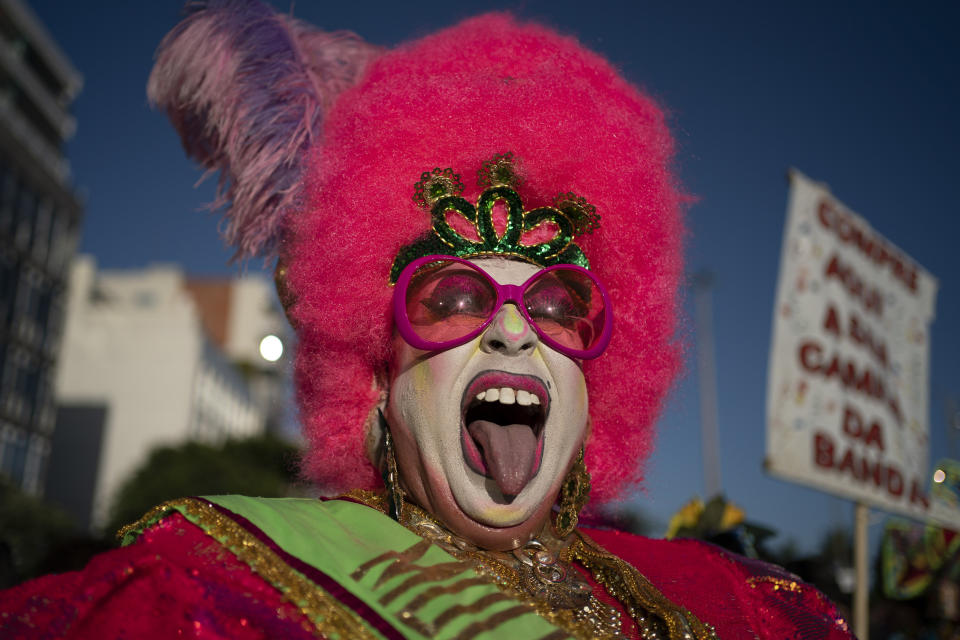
<point x="739" y="597"/>
<point x="174" y="582"/>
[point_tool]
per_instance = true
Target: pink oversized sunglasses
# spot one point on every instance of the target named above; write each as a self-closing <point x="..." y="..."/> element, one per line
<point x="442" y="302"/>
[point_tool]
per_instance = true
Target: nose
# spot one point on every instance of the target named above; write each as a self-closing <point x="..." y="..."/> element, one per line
<point x="509" y="333"/>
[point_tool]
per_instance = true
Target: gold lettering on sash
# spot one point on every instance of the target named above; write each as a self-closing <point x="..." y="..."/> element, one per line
<point x="460" y="609"/>
<point x="412" y="554"/>
<point x="436" y="573"/>
<point x="402" y="562"/>
<point x="442" y="589"/>
<point x="492" y="622"/>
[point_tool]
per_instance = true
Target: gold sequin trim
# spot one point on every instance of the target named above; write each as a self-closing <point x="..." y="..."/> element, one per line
<point x="553" y="254"/>
<point x="330" y="618"/>
<point x="794" y="586"/>
<point x="500" y="254"/>
<point x="468" y="256"/>
<point x="540" y="224"/>
<point x="636" y="593"/>
<point x="778" y="583"/>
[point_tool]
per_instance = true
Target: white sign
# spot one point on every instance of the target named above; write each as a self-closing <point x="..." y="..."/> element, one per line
<point x="847" y="388"/>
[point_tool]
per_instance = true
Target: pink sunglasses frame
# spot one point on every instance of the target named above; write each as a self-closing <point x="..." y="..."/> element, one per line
<point x="505" y="293"/>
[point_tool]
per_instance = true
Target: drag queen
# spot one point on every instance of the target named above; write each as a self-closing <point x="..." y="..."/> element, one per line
<point x="478" y="242"/>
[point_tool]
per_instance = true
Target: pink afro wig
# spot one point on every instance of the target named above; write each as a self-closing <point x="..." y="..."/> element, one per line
<point x="320" y="139"/>
<point x="455" y="99"/>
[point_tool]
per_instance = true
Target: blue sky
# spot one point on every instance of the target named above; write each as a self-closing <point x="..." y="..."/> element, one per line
<point x="859" y="95"/>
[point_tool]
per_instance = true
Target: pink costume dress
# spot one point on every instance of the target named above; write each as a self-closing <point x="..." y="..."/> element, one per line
<point x="185" y="578"/>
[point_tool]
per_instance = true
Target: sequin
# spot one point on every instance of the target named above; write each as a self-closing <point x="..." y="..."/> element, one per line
<point x="436" y="184"/>
<point x="801" y="604"/>
<point x="583" y="214"/>
<point x="499" y="170"/>
<point x="638" y="595"/>
<point x="439" y="190"/>
<point x="328" y="615"/>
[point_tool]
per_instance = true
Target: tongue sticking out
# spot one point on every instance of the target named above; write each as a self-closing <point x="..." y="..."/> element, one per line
<point x="509" y="452"/>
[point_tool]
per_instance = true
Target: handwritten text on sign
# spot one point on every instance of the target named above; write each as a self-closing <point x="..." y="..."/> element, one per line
<point x="847" y="388"/>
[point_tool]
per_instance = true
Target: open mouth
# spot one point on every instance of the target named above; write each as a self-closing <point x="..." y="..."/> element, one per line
<point x="503" y="418"/>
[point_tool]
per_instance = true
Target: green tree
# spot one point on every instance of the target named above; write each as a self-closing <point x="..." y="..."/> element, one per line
<point x="262" y="466"/>
<point x="28" y="529"/>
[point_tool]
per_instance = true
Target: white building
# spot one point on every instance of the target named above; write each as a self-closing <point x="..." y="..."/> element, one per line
<point x="40" y="216"/>
<point x="141" y="366"/>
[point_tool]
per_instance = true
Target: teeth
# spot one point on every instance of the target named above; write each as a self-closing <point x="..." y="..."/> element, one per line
<point x="506" y="395"/>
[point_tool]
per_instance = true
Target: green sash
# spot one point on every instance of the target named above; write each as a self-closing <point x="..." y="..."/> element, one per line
<point x="397" y="584"/>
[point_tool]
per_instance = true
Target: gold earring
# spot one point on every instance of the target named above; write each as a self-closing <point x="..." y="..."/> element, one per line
<point x="391" y="479"/>
<point x="574" y="494"/>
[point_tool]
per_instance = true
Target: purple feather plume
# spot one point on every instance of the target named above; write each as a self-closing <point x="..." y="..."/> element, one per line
<point x="247" y="88"/>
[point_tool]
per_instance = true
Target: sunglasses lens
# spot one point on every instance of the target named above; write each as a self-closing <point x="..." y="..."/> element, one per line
<point x="446" y="301"/>
<point x="568" y="307"/>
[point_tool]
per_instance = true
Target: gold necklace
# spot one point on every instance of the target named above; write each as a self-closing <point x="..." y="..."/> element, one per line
<point x="533" y="574"/>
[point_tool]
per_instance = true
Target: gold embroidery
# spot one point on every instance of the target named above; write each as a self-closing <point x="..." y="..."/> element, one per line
<point x="435" y="573"/>
<point x="778" y="583"/>
<point x="442" y="589"/>
<point x="475" y="607"/>
<point x="329" y="617"/>
<point x="416" y="624"/>
<point x="410" y="555"/>
<point x="403" y="562"/>
<point x="636" y="593"/>
<point x="492" y="622"/>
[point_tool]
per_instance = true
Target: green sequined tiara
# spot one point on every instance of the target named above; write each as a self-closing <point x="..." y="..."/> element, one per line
<point x="439" y="191"/>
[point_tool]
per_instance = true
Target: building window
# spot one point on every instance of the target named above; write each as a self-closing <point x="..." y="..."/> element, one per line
<point x="145" y="299"/>
<point x="63" y="238"/>
<point x="28" y="302"/>
<point x="28" y="381"/>
<point x="22" y="386"/>
<point x="36" y="454"/>
<point x="42" y="318"/>
<point x="14" y="459"/>
<point x="8" y="195"/>
<point x="9" y="272"/>
<point x="57" y="224"/>
<point x="39" y="243"/>
<point x="26" y="216"/>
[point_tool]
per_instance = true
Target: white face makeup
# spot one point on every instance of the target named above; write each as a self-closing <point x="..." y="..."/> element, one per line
<point x="486" y="431"/>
